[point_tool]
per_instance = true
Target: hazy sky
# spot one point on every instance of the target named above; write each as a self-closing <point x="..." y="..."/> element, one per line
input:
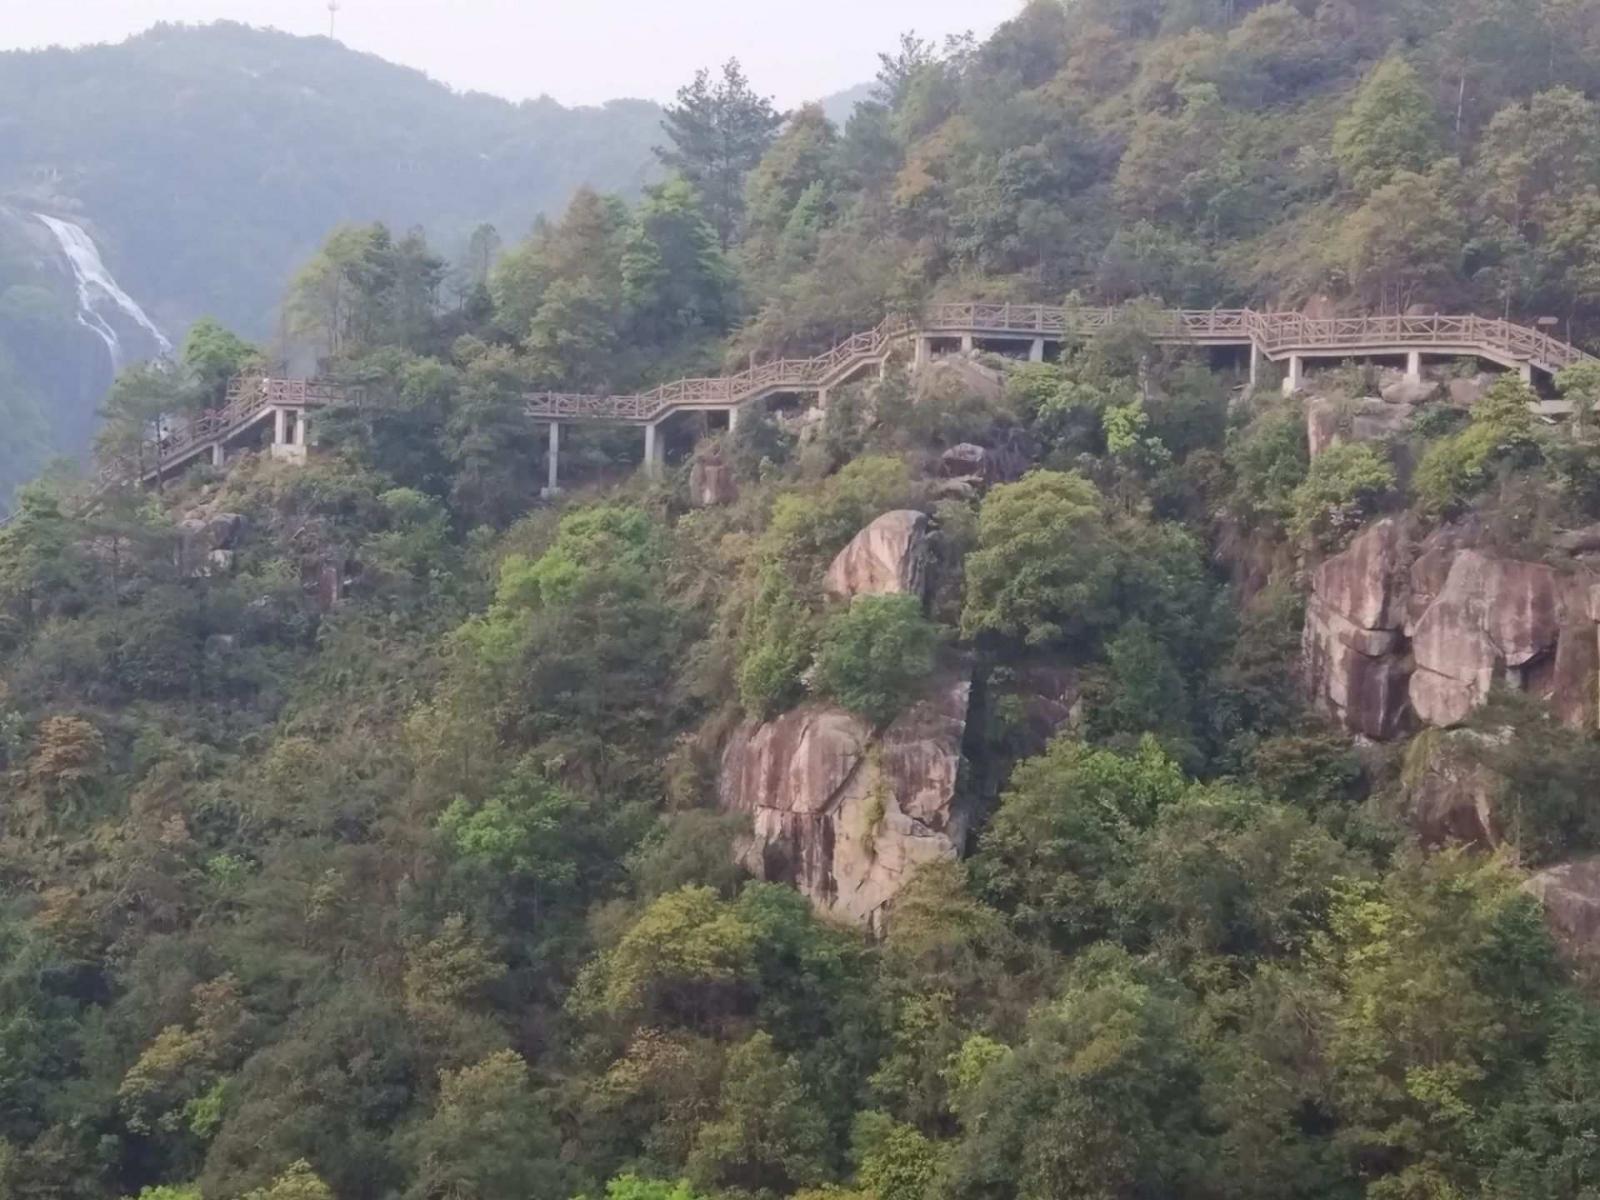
<point x="579" y="51"/>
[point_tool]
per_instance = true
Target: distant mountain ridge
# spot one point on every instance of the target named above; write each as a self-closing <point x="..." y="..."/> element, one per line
<point x="213" y="158"/>
<point x="207" y="162"/>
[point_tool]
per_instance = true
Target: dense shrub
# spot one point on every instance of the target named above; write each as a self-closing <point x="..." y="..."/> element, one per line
<point x="1345" y="485"/>
<point x="872" y="656"/>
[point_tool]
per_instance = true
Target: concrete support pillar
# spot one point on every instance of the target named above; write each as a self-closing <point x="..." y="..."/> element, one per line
<point x="733" y="418"/>
<point x="280" y="427"/>
<point x="822" y="397"/>
<point x="1414" y="366"/>
<point x="1255" y="364"/>
<point x="1526" y="372"/>
<point x="1296" y="376"/>
<point x="966" y="343"/>
<point x="1036" y="351"/>
<point x="652" y="450"/>
<point x="219" y="456"/>
<point x="553" y="461"/>
<point x="924" y="350"/>
<point x="883" y="368"/>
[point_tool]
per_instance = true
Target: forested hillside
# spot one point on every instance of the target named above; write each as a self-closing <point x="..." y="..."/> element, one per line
<point x="208" y="161"/>
<point x="212" y="158"/>
<point x="1088" y="778"/>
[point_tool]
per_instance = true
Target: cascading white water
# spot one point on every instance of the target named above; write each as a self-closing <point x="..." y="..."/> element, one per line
<point x="96" y="287"/>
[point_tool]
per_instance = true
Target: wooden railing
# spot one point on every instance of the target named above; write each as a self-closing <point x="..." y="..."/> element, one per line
<point x="725" y="391"/>
<point x="246" y="399"/>
<point x="1275" y="333"/>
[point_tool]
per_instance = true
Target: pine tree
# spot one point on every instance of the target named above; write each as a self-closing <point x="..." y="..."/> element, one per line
<point x="719" y="133"/>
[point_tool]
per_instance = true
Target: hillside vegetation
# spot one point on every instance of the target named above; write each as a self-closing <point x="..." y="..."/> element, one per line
<point x="361" y="828"/>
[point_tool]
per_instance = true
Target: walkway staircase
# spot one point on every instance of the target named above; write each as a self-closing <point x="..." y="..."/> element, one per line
<point x="1273" y="336"/>
<point x="1276" y="336"/>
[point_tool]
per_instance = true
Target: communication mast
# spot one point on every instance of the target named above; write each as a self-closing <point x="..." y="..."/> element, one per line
<point x="333" y="14"/>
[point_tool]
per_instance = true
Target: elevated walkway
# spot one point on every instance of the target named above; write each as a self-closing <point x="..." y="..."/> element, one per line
<point x="257" y="410"/>
<point x="1279" y="337"/>
<point x="275" y="412"/>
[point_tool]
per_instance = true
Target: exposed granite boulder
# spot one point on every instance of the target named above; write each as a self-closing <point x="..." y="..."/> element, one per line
<point x="1404" y="391"/>
<point x="711" y="480"/>
<point x="983" y="464"/>
<point x="1577" y="542"/>
<point x="1450" y="793"/>
<point x="1324" y="423"/>
<point x="1465" y="393"/>
<point x="955" y="373"/>
<point x="845" y="814"/>
<point x="1490" y="620"/>
<point x="1399" y="633"/>
<point x="206" y="542"/>
<point x="1333" y="420"/>
<point x="1352" y="647"/>
<point x="1049" y="698"/>
<point x="1570" y="895"/>
<point x="888" y="557"/>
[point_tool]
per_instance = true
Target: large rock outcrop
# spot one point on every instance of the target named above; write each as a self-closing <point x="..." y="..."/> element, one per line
<point x="1450" y="793"/>
<point x="1490" y="620"/>
<point x="1332" y="420"/>
<point x="888" y="557"/>
<point x="207" y="541"/>
<point x="1353" y="646"/>
<point x="711" y="480"/>
<point x="1401" y="633"/>
<point x="1570" y="894"/>
<point x="845" y="814"/>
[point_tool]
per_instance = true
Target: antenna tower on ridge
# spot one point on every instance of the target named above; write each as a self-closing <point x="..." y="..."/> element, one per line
<point x="333" y="14"/>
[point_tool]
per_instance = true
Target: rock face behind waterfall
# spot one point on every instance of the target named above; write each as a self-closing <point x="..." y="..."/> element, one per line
<point x="845" y="814"/>
<point x="1401" y="633"/>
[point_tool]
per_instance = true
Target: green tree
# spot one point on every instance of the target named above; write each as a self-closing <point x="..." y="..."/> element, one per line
<point x="1456" y="468"/>
<point x="1537" y="153"/>
<point x="675" y="281"/>
<point x="683" y="961"/>
<point x="767" y="1136"/>
<point x="718" y="133"/>
<point x="1066" y="835"/>
<point x="214" y="355"/>
<point x="490" y="1138"/>
<point x="1341" y="491"/>
<point x="147" y="404"/>
<point x="1044" y="567"/>
<point x="298" y="1182"/>
<point x="1441" y="974"/>
<point x="1391" y="126"/>
<point x="872" y="655"/>
<point x="1100" y="1099"/>
<point x="1406" y="238"/>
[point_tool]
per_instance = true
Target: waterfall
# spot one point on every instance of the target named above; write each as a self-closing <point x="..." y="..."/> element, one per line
<point x="97" y="288"/>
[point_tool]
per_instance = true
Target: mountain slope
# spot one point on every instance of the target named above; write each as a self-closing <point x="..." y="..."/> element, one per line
<point x="213" y="158"/>
<point x="207" y="163"/>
